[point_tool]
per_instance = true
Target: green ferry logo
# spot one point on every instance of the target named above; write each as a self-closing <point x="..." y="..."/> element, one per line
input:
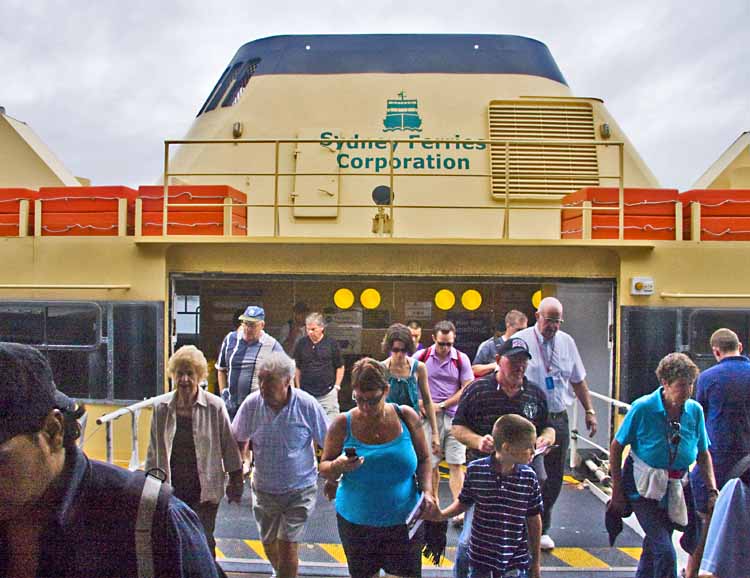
<point x="402" y="114"/>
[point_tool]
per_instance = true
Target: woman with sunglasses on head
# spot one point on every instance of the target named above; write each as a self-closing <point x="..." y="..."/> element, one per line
<point x="376" y="449"/>
<point x="666" y="432"/>
<point x="407" y="378"/>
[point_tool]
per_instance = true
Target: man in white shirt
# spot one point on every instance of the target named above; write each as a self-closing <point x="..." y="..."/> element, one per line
<point x="557" y="367"/>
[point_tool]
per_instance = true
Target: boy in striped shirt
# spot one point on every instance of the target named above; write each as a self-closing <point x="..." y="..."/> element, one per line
<point x="507" y="523"/>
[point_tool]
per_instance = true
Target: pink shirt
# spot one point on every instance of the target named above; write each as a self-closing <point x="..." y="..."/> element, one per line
<point x="443" y="375"/>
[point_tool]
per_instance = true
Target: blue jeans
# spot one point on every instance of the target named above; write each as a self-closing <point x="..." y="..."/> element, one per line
<point x="461" y="565"/>
<point x="658" y="559"/>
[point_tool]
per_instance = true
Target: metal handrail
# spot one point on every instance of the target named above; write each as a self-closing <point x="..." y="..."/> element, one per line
<point x="575" y="437"/>
<point x="391" y="145"/>
<point x="134" y="410"/>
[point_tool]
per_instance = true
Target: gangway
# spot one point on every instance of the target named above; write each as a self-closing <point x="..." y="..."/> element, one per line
<point x="578" y="526"/>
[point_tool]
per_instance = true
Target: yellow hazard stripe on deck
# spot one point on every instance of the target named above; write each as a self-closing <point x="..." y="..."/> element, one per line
<point x="257" y="547"/>
<point x="634" y="553"/>
<point x="578" y="557"/>
<point x="335" y="551"/>
<point x="219" y="553"/>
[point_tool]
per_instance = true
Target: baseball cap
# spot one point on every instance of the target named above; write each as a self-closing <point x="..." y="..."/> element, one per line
<point x="27" y="390"/>
<point x="513" y="346"/>
<point x="253" y="313"/>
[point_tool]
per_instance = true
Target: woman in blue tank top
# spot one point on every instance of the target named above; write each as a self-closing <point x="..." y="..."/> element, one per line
<point x="407" y="377"/>
<point x="378" y="489"/>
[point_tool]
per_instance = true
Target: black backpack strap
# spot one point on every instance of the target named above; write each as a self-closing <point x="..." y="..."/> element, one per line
<point x="740" y="468"/>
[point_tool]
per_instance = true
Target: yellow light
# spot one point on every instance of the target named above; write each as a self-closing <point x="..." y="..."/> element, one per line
<point x="370" y="298"/>
<point x="471" y="299"/>
<point x="536" y="299"/>
<point x="343" y="298"/>
<point x="445" y="299"/>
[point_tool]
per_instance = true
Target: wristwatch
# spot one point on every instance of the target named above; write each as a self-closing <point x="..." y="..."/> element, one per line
<point x="590" y="411"/>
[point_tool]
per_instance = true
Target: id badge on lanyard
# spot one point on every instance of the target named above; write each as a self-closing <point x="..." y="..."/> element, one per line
<point x="549" y="381"/>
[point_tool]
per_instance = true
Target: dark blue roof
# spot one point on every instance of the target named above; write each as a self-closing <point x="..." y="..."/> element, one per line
<point x="401" y="54"/>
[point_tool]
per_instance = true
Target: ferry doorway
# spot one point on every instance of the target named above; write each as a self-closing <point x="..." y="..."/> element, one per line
<point x="204" y="309"/>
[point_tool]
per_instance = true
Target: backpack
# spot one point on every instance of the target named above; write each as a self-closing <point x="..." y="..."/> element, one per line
<point x="153" y="496"/>
<point x="457" y="363"/>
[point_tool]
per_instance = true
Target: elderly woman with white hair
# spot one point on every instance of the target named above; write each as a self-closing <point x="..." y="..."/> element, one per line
<point x="281" y="423"/>
<point x="191" y="441"/>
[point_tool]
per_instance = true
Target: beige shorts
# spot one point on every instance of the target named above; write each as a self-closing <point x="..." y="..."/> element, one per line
<point x="330" y="403"/>
<point x="283" y="516"/>
<point x="453" y="450"/>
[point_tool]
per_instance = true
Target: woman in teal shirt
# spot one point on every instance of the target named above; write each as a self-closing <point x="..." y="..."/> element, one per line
<point x="407" y="378"/>
<point x="378" y="487"/>
<point x="666" y="430"/>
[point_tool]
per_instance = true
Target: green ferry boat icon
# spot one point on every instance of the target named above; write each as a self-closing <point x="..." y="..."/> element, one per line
<point x="401" y="114"/>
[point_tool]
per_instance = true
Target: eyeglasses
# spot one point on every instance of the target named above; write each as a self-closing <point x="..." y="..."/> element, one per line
<point x="444" y="343"/>
<point x="674" y="432"/>
<point x="372" y="402"/>
<point x="249" y="324"/>
<point x="553" y="320"/>
<point x="398" y="349"/>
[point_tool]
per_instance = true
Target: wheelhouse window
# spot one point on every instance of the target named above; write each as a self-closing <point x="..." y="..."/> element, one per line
<point x="97" y="350"/>
<point x="231" y="85"/>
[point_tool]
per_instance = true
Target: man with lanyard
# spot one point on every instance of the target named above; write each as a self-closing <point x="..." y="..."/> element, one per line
<point x="556" y="365"/>
<point x="484" y="360"/>
<point x="505" y="391"/>
<point x="239" y="357"/>
<point x="448" y="371"/>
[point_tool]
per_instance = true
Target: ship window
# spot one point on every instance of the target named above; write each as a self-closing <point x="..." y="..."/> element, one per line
<point x="22" y="324"/>
<point x="242" y="77"/>
<point x="213" y="92"/>
<point x="224" y="83"/>
<point x="138" y="359"/>
<point x="75" y="325"/>
<point x="188" y="314"/>
<point x="705" y="321"/>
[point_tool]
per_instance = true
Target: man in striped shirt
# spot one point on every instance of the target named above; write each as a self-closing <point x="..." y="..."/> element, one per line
<point x="507" y="523"/>
<point x="240" y="355"/>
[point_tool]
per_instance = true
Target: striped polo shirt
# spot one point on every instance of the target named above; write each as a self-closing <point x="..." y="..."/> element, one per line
<point x="502" y="503"/>
<point x="238" y="358"/>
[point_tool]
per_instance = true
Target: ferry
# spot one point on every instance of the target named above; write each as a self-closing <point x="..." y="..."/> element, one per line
<point x="376" y="178"/>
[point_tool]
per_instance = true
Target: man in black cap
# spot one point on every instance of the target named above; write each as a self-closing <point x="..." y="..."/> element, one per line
<point x="504" y="391"/>
<point x="64" y="515"/>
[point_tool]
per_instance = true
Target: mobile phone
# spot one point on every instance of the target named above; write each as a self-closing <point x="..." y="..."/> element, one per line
<point x="350" y="452"/>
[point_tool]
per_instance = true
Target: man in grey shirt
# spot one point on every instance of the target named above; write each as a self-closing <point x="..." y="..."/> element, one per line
<point x="484" y="360"/>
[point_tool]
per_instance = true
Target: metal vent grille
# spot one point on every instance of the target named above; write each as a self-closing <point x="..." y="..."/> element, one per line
<point x="537" y="168"/>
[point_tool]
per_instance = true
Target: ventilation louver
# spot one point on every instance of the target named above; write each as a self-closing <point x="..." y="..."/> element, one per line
<point x="542" y="169"/>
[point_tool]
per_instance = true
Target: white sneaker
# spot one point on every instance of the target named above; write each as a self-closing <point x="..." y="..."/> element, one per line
<point x="546" y="543"/>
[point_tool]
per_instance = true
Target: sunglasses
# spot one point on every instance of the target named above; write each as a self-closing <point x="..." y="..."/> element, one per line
<point x="444" y="343"/>
<point x="674" y="432"/>
<point x="398" y="349"/>
<point x="372" y="402"/>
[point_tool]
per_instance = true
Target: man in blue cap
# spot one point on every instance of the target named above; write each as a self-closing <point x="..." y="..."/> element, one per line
<point x="240" y="355"/>
<point x="64" y="515"/>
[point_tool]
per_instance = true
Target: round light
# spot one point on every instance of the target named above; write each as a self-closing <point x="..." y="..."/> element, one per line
<point x="343" y="298"/>
<point x="536" y="299"/>
<point x="471" y="299"/>
<point x="370" y="298"/>
<point x="445" y="299"/>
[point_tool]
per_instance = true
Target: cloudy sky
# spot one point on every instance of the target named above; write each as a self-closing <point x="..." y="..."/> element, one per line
<point x="104" y="83"/>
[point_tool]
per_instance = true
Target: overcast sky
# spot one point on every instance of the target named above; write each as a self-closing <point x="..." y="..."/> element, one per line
<point x="104" y="83"/>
